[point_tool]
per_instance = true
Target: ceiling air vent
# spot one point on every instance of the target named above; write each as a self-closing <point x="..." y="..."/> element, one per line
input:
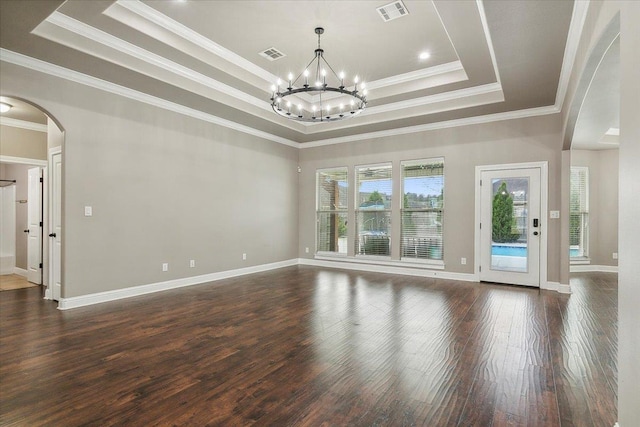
<point x="391" y="11"/>
<point x="272" y="54"/>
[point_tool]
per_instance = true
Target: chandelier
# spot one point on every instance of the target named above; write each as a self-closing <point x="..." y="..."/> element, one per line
<point x="328" y="98"/>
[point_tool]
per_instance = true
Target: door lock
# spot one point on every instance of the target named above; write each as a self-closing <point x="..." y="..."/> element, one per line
<point x="535" y="233"/>
<point x="535" y="222"/>
<point x="52" y="235"/>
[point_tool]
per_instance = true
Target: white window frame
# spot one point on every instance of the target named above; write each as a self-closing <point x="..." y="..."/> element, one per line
<point x="584" y="238"/>
<point x="357" y="211"/>
<point x="404" y="163"/>
<point x="318" y="211"/>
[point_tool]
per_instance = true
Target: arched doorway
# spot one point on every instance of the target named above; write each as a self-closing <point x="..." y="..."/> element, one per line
<point x="31" y="162"/>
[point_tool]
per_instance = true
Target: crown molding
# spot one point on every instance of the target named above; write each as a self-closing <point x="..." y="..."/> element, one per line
<point x="23" y="161"/>
<point x="485" y="27"/>
<point x="432" y="99"/>
<point x="86" y="80"/>
<point x="81" y="29"/>
<point x="509" y="115"/>
<point x="23" y="124"/>
<point x="186" y="33"/>
<point x="578" y="18"/>
<point x="96" y="83"/>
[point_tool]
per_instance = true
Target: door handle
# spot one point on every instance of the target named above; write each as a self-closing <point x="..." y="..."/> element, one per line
<point x="52" y="235"/>
<point x="26" y="231"/>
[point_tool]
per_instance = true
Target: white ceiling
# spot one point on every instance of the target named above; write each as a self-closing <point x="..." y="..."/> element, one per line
<point x="487" y="57"/>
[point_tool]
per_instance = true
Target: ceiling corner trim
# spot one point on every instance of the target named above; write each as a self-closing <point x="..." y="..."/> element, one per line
<point x="96" y="83"/>
<point x="23" y="124"/>
<point x="487" y="34"/>
<point x="23" y="161"/>
<point x="578" y="18"/>
<point x="509" y="115"/>
<point x="98" y="36"/>
<point x="158" y="18"/>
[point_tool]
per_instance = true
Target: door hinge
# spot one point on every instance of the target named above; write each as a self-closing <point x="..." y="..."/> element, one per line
<point x="480" y="226"/>
<point x="40" y="223"/>
<point x="41" y="179"/>
<point x="40" y="265"/>
<point x="480" y="269"/>
<point x="480" y="183"/>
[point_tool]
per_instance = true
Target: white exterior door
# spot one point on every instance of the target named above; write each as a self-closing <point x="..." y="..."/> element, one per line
<point x="55" y="229"/>
<point x="510" y="226"/>
<point x="34" y="223"/>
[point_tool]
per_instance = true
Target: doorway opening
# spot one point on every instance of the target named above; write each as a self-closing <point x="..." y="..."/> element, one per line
<point x="30" y="138"/>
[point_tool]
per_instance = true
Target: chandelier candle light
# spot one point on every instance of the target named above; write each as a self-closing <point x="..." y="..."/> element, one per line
<point x="324" y="107"/>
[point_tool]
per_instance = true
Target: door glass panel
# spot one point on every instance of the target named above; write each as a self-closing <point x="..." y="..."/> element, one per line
<point x="509" y="224"/>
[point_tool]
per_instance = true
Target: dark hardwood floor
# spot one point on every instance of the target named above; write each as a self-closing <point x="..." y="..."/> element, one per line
<point x="311" y="346"/>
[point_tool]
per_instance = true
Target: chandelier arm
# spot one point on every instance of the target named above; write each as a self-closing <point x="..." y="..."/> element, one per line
<point x="331" y="68"/>
<point x="305" y="68"/>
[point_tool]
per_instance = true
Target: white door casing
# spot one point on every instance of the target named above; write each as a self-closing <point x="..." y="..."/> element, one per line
<point x="34" y="224"/>
<point x="55" y="229"/>
<point x="531" y="270"/>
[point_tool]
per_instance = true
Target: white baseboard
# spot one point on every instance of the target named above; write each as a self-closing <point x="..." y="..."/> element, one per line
<point x="100" y="297"/>
<point x="555" y="286"/>
<point x="407" y="271"/>
<point x="47" y="294"/>
<point x="590" y="268"/>
<point x="20" y="271"/>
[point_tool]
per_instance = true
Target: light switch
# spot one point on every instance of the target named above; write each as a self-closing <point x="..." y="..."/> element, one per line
<point x="88" y="211"/>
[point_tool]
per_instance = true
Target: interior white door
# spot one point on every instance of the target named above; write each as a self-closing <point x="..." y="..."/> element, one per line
<point x="7" y="229"/>
<point x="55" y="230"/>
<point x="34" y="224"/>
<point x="510" y="226"/>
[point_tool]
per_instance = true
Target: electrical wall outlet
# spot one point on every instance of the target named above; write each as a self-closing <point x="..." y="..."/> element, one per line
<point x="165" y="266"/>
<point x="192" y="263"/>
<point x="88" y="211"/>
<point x="463" y="261"/>
<point x="306" y="250"/>
<point x="244" y="257"/>
<point x="615" y="255"/>
<point x="554" y="214"/>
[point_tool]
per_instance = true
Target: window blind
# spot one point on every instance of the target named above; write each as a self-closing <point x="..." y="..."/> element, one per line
<point x="579" y="212"/>
<point x="422" y="209"/>
<point x="331" y="210"/>
<point x="373" y="210"/>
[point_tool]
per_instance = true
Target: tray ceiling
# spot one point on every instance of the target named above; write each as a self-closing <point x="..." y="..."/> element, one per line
<point x="485" y="57"/>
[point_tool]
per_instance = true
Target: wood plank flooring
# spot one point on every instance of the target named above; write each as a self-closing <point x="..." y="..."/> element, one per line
<point x="305" y="346"/>
<point x="10" y="282"/>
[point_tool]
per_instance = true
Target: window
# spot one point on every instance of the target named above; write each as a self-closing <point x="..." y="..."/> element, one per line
<point x="332" y="186"/>
<point x="373" y="210"/>
<point x="579" y="213"/>
<point x="422" y="209"/>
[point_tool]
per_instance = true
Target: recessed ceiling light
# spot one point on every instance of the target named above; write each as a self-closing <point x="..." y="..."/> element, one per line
<point x="424" y="55"/>
<point x="4" y="107"/>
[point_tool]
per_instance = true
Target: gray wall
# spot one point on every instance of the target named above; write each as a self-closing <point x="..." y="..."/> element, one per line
<point x="629" y="226"/>
<point x="600" y="15"/>
<point x="54" y="135"/>
<point x="17" y="142"/>
<point x="464" y="148"/>
<point x="20" y="174"/>
<point x="163" y="187"/>
<point x="603" y="202"/>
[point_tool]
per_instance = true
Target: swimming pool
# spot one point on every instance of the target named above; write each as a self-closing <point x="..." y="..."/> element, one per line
<point x="519" y="251"/>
